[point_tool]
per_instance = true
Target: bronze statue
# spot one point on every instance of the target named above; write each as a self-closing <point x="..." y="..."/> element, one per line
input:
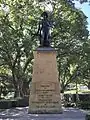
<point x="44" y="30"/>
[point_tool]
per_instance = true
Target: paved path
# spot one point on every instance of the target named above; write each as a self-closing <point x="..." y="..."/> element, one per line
<point x="22" y="114"/>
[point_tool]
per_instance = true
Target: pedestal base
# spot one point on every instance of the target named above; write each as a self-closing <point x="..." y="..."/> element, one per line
<point x="45" y="87"/>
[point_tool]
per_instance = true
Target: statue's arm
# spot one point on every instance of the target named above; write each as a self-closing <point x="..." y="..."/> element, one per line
<point x="39" y="28"/>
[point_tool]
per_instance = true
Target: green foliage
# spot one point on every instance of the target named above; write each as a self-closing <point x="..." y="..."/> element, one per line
<point x="84" y="105"/>
<point x="87" y="116"/>
<point x="18" y="26"/>
<point x="17" y="102"/>
<point x="69" y="35"/>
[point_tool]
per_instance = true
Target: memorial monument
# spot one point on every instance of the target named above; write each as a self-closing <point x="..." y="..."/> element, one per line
<point x="45" y="87"/>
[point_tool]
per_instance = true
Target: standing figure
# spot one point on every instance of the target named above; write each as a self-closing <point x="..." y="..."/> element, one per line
<point x="44" y="30"/>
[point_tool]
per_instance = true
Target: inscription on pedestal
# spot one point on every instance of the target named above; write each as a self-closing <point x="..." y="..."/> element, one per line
<point x="45" y="92"/>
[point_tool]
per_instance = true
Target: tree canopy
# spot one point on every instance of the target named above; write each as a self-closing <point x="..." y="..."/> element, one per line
<point x="18" y="26"/>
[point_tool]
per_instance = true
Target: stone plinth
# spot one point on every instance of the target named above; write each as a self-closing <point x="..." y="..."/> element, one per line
<point x="45" y="87"/>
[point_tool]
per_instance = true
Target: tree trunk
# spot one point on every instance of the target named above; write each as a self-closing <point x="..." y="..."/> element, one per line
<point x="16" y="86"/>
<point x="25" y="88"/>
<point x="18" y="91"/>
<point x="62" y="87"/>
<point x="77" y="96"/>
<point x="89" y="85"/>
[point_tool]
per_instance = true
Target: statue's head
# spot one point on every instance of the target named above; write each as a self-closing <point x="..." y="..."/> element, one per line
<point x="44" y="15"/>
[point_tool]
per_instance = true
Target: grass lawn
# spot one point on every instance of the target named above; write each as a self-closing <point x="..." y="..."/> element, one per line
<point x="79" y="92"/>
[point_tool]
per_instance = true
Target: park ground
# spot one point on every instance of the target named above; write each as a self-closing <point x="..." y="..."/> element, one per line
<point x="21" y="113"/>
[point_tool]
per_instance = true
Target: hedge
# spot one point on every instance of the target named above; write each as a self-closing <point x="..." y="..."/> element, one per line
<point x="87" y="116"/>
<point x="20" y="102"/>
<point x="84" y="105"/>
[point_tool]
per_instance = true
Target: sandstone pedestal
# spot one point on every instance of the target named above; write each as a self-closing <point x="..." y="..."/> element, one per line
<point x="45" y="87"/>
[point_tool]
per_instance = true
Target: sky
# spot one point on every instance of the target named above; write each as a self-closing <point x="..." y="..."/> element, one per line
<point x="85" y="7"/>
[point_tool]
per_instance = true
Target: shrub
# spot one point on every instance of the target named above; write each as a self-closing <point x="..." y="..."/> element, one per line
<point x="69" y="104"/>
<point x="19" y="102"/>
<point x="84" y="97"/>
<point x="84" y="105"/>
<point x="5" y="104"/>
<point x="23" y="102"/>
<point x="87" y="117"/>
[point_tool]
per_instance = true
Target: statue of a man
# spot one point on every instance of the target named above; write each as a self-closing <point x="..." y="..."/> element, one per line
<point x="44" y="30"/>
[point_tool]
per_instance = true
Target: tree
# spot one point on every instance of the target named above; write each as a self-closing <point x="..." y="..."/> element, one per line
<point x="18" y="26"/>
<point x="69" y="36"/>
<point x="86" y="68"/>
<point x="5" y="84"/>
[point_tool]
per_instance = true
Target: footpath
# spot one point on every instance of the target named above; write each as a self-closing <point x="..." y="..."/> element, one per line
<point x="21" y="113"/>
